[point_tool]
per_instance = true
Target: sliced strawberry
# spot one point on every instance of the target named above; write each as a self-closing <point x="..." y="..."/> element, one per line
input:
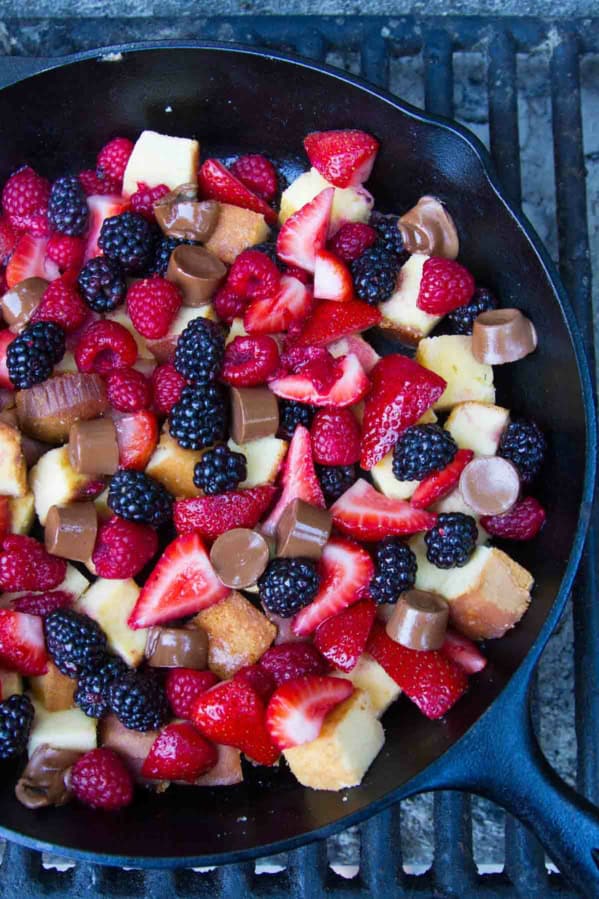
<point x="215" y="182"/>
<point x="5" y="518"/>
<point x="29" y="261"/>
<point x="179" y="752"/>
<point x="345" y="572"/>
<point x="211" y="516"/>
<point x="305" y="232"/>
<point x="332" y="278"/>
<point x="101" y="207"/>
<point x="182" y="582"/>
<point x="345" y="158"/>
<point x="441" y="483"/>
<point x="365" y="514"/>
<point x="297" y="709"/>
<point x="342" y="639"/>
<point x="22" y="644"/>
<point x="291" y="303"/>
<point x="463" y="652"/>
<point x="288" y="661"/>
<point x="335" y="437"/>
<point x="330" y="321"/>
<point x="432" y="681"/>
<point x="355" y="344"/>
<point x="350" y="385"/>
<point x="401" y="393"/>
<point x="6" y="337"/>
<point x="298" y="479"/>
<point x="137" y="436"/>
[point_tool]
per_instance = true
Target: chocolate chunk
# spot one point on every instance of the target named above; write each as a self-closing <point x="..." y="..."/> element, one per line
<point x="47" y="411"/>
<point x="428" y="228"/>
<point x="502" y="335"/>
<point x="93" y="447"/>
<point x="239" y="557"/>
<point x="419" y="620"/>
<point x="490" y="485"/>
<point x="44" y="781"/>
<point x="180" y="214"/>
<point x="303" y="530"/>
<point x="171" y="647"/>
<point x="254" y="413"/>
<point x="71" y="531"/>
<point x="197" y="273"/>
<point x="20" y="302"/>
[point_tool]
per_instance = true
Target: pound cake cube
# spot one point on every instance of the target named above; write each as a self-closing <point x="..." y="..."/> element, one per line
<point x="450" y="356"/>
<point x="67" y="729"/>
<point x="11" y="683"/>
<point x="387" y="483"/>
<point x="350" y="739"/>
<point x="226" y="772"/>
<point x="110" y="602"/>
<point x="401" y="316"/>
<point x="350" y="204"/>
<point x="22" y="513"/>
<point x="236" y="230"/>
<point x="173" y="466"/>
<point x="238" y="634"/>
<point x="161" y="159"/>
<point x="264" y="458"/>
<point x="371" y="677"/>
<point x="478" y="426"/>
<point x="55" y="482"/>
<point x="13" y="468"/>
<point x="53" y="689"/>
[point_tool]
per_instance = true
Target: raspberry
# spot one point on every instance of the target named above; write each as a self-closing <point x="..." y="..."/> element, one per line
<point x="167" y="385"/>
<point x="152" y="304"/>
<point x="445" y="286"/>
<point x="301" y="275"/>
<point x="335" y="437"/>
<point x="101" y="780"/>
<point x="250" y="361"/>
<point x="8" y="240"/>
<point x="288" y="661"/>
<point x="351" y="240"/>
<point x="42" y="604"/>
<point x="142" y="201"/>
<point x="522" y="522"/>
<point x="254" y="276"/>
<point x="128" y="390"/>
<point x="25" y="565"/>
<point x="258" y="679"/>
<point x="96" y="186"/>
<point x="61" y="304"/>
<point x="65" y="251"/>
<point x="104" y="347"/>
<point x="258" y="174"/>
<point x="25" y="201"/>
<point x="228" y="304"/>
<point x="123" y="548"/>
<point x="113" y="158"/>
<point x="184" y="685"/>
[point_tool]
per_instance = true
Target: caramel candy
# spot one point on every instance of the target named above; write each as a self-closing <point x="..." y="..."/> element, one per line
<point x="502" y="335"/>
<point x="93" y="447"/>
<point x="20" y="302"/>
<point x="197" y="273"/>
<point x="44" y="781"/>
<point x="490" y="485"/>
<point x="71" y="531"/>
<point x="47" y="411"/>
<point x="171" y="647"/>
<point x="239" y="557"/>
<point x="303" y="530"/>
<point x="428" y="228"/>
<point x="419" y="620"/>
<point x="180" y="214"/>
<point x="254" y="413"/>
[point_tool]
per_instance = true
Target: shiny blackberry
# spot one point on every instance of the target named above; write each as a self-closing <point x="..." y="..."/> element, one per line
<point x="200" y="417"/>
<point x="421" y="450"/>
<point x="524" y="444"/>
<point x="220" y="470"/>
<point x="200" y="351"/>
<point x="461" y="320"/>
<point x="292" y="414"/>
<point x="74" y="641"/>
<point x="335" y="480"/>
<point x="451" y="542"/>
<point x="375" y="274"/>
<point x="128" y="238"/>
<point x="136" y="496"/>
<point x="288" y="585"/>
<point x="389" y="235"/>
<point x="102" y="284"/>
<point x="395" y="570"/>
<point x="32" y="355"/>
<point x="68" y="211"/>
<point x="92" y="690"/>
<point x="269" y="248"/>
<point x="139" y="701"/>
<point x="16" y="718"/>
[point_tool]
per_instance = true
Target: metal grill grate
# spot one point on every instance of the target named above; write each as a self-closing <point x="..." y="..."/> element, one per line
<point x="374" y="46"/>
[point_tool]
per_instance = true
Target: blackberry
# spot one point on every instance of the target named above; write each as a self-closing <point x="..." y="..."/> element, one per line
<point x="102" y="284"/>
<point x="335" y="480"/>
<point x="68" y="211"/>
<point x="128" y="238"/>
<point x="395" y="570"/>
<point x="32" y="355"/>
<point x="461" y="320"/>
<point x="162" y="253"/>
<point x="200" y="351"/>
<point x="91" y="694"/>
<point x="200" y="417"/>
<point x="16" y="718"/>
<point x="389" y="235"/>
<point x="451" y="542"/>
<point x="136" y="496"/>
<point x="375" y="274"/>
<point x="139" y="700"/>
<point x="74" y="641"/>
<point x="421" y="450"/>
<point x="269" y="248"/>
<point x="524" y="444"/>
<point x="288" y="585"/>
<point x="292" y="414"/>
<point x="219" y="470"/>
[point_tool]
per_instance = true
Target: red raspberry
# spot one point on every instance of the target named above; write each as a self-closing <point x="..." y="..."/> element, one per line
<point x="62" y="304"/>
<point x="123" y="548"/>
<point x="65" y="251"/>
<point x="113" y="158"/>
<point x="42" y="604"/>
<point x="289" y="661"/>
<point x="184" y="685"/>
<point x="258" y="174"/>
<point x="301" y="274"/>
<point x="142" y="201"/>
<point x="254" y="276"/>
<point x="445" y="286"/>
<point x="335" y="437"/>
<point x="179" y="752"/>
<point x="95" y="186"/>
<point x="104" y="347"/>
<point x="25" y="565"/>
<point x="258" y="679"/>
<point x="250" y="361"/>
<point x="228" y="304"/>
<point x="522" y="522"/>
<point x="152" y="304"/>
<point x="8" y="240"/>
<point x="167" y="385"/>
<point x="351" y="240"/>
<point x="25" y="201"/>
<point x="101" y="779"/>
<point x="128" y="390"/>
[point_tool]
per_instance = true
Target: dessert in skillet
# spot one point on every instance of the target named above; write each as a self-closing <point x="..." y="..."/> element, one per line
<point x="230" y="532"/>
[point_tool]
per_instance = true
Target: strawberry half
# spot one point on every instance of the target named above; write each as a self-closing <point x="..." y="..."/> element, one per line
<point x="137" y="436"/>
<point x="346" y="570"/>
<point x="441" y="483"/>
<point x="211" y="516"/>
<point x="298" y="480"/>
<point x="215" y="182"/>
<point x="350" y="385"/>
<point x="297" y="709"/>
<point x="22" y="644"/>
<point x="365" y="514"/>
<point x="179" y="752"/>
<point x="345" y="158"/>
<point x="342" y="639"/>
<point x="29" y="260"/>
<point x="401" y="393"/>
<point x="305" y="232"/>
<point x="6" y="337"/>
<point x="355" y="344"/>
<point x="330" y="321"/>
<point x="182" y="582"/>
<point x="101" y="207"/>
<point x="463" y="652"/>
<point x="291" y="303"/>
<point x="332" y="278"/>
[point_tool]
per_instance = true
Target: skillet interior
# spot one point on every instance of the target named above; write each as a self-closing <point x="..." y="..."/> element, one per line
<point x="245" y="101"/>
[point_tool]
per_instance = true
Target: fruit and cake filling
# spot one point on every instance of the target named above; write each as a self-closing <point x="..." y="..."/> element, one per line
<point x="231" y="533"/>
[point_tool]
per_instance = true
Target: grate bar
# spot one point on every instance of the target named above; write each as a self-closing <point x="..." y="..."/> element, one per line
<point x="380" y="854"/>
<point x="503" y="113"/>
<point x="438" y="73"/>
<point x="308" y="871"/>
<point x="453" y="867"/>
<point x="374" y="59"/>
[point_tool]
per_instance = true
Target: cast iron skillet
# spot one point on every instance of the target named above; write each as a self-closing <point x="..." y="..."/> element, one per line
<point x="231" y="97"/>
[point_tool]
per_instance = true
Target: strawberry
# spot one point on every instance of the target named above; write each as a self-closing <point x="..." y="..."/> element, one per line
<point x="182" y="582"/>
<point x="332" y="278"/>
<point x="258" y="679"/>
<point x="463" y="652"/>
<point x="211" y="516"/>
<point x="298" y="479"/>
<point x="432" y="681"/>
<point x="29" y="261"/>
<point x="445" y="285"/>
<point x="101" y="207"/>
<point x="215" y="182"/>
<point x="305" y="232"/>
<point x="345" y="572"/>
<point x="401" y="393"/>
<point x="350" y="385"/>
<point x="22" y="645"/>
<point x="288" y="661"/>
<point x="330" y="321"/>
<point x="441" y="483"/>
<point x="355" y="344"/>
<point x="137" y="437"/>
<point x="345" y="158"/>
<point x="5" y="518"/>
<point x="522" y="522"/>
<point x="179" y="752"/>
<point x="6" y="337"/>
<point x="233" y="714"/>
<point x="297" y="709"/>
<point x="8" y="240"/>
<point x="342" y="639"/>
<point x="335" y="437"/>
<point x="290" y="303"/>
<point x="365" y="514"/>
<point x="183" y="685"/>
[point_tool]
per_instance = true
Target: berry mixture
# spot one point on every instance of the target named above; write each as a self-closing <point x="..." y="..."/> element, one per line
<point x="253" y="534"/>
